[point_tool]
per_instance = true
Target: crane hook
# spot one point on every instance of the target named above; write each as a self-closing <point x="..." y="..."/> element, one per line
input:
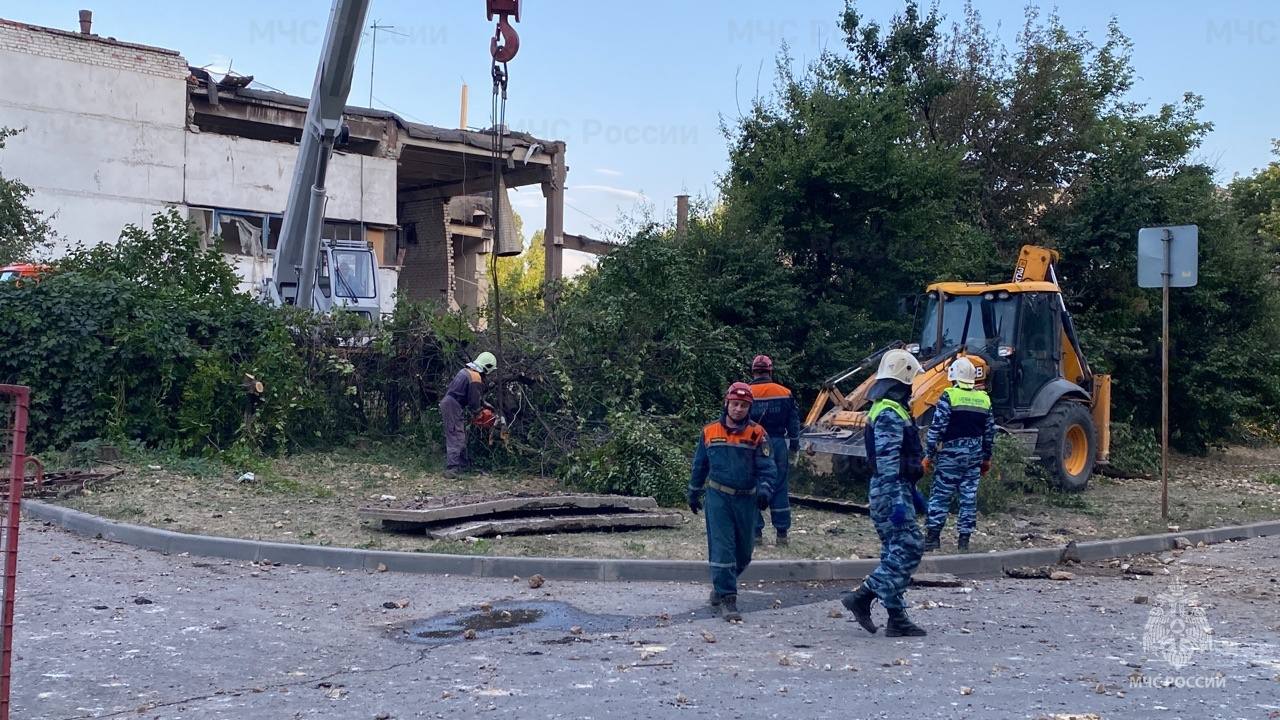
<point x="505" y="42"/>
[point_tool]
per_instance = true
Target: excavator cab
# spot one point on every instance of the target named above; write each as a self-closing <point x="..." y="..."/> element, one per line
<point x="1022" y="342"/>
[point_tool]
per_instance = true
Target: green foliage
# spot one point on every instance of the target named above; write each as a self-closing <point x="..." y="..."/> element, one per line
<point x="23" y="229"/>
<point x="999" y="490"/>
<point x="1134" y="449"/>
<point x="638" y="458"/>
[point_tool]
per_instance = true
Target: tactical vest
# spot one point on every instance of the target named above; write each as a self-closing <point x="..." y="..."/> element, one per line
<point x="911" y="453"/>
<point x="969" y="412"/>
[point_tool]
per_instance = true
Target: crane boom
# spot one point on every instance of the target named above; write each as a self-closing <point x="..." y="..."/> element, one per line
<point x="294" y="276"/>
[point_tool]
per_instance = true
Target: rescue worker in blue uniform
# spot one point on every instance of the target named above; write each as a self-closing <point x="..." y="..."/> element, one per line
<point x="733" y="474"/>
<point x="894" y="451"/>
<point x="775" y="409"/>
<point x="958" y="450"/>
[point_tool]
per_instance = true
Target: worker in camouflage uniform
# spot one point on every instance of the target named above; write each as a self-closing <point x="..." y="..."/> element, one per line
<point x="733" y="472"/>
<point x="894" y="451"/>
<point x="958" y="451"/>
<point x="464" y="393"/>
<point x="775" y="409"/>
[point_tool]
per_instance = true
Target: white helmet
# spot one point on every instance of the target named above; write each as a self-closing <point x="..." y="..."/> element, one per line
<point x="962" y="372"/>
<point x="898" y="365"/>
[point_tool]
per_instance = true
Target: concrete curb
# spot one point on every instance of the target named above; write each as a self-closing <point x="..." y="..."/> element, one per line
<point x="990" y="564"/>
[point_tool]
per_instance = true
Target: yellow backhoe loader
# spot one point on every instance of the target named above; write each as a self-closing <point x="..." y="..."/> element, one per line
<point x="1023" y="343"/>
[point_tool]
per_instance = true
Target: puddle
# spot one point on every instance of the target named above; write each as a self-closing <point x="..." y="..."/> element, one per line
<point x="506" y="619"/>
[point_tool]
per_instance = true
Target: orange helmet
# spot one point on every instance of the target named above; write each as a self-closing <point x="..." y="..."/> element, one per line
<point x="739" y="391"/>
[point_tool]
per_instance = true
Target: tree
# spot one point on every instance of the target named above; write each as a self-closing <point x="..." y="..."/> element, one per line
<point x="23" y="230"/>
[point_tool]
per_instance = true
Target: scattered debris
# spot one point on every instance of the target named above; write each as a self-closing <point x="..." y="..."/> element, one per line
<point x="1070" y="553"/>
<point x="143" y="601"/>
<point x="57" y="484"/>
<point x="1141" y="600"/>
<point x="396" y="604"/>
<point x="830" y="505"/>
<point x="485" y="608"/>
<point x="1061" y="575"/>
<point x="1028" y="573"/>
<point x="536" y="581"/>
<point x="707" y="636"/>
<point x="777" y="603"/>
<point x="575" y="630"/>
<point x="965" y="690"/>
<point x="382" y="567"/>
<point x="1181" y="543"/>
<point x="833" y="613"/>
<point x="247" y="478"/>
<point x="470" y="634"/>
<point x="456" y="518"/>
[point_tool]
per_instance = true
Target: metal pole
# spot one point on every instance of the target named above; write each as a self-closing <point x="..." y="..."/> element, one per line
<point x="18" y="462"/>
<point x="1164" y="379"/>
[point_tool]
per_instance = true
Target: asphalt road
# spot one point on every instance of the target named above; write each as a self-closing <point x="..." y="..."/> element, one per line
<point x="103" y="630"/>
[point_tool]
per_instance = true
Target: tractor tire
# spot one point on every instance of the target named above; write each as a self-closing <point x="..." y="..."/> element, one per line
<point x="1067" y="445"/>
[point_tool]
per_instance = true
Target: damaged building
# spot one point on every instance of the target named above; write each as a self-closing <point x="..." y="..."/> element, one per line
<point x="113" y="132"/>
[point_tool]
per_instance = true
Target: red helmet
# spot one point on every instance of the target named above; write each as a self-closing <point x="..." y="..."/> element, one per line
<point x="762" y="363"/>
<point x="739" y="391"/>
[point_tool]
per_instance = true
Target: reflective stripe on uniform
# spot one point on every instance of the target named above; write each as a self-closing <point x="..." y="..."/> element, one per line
<point x="880" y="405"/>
<point x="962" y="398"/>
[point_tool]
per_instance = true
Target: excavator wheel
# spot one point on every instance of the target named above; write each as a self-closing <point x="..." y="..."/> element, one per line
<point x="1067" y="445"/>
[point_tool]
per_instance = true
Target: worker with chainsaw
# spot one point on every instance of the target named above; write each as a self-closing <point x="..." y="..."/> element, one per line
<point x="775" y="409"/>
<point x="464" y="394"/>
<point x="958" y="451"/>
<point x="733" y="476"/>
<point x="894" y="452"/>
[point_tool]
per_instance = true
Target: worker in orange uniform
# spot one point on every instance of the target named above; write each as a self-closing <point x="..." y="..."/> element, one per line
<point x="775" y="409"/>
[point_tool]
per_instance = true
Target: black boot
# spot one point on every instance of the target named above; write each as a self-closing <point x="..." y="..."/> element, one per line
<point x="859" y="602"/>
<point x="715" y="599"/>
<point x="729" y="608"/>
<point x="900" y="625"/>
<point x="782" y="540"/>
<point x="962" y="541"/>
<point x="933" y="540"/>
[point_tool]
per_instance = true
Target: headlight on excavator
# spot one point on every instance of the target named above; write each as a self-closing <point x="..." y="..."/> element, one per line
<point x="1005" y="350"/>
<point x="914" y="348"/>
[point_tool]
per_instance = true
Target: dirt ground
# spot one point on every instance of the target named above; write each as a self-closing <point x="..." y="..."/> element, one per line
<point x="312" y="498"/>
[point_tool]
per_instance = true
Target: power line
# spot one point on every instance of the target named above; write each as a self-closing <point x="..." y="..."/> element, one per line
<point x="590" y="216"/>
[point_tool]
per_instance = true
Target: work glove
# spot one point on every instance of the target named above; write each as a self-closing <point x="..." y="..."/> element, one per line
<point x="762" y="499"/>
<point x="985" y="467"/>
<point x="927" y="465"/>
<point x="794" y="445"/>
<point x="695" y="503"/>
<point x="917" y="499"/>
<point x="901" y="515"/>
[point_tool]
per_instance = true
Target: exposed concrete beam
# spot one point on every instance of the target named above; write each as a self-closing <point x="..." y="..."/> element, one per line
<point x="478" y="184"/>
<point x="582" y="243"/>
<point x="553" y="232"/>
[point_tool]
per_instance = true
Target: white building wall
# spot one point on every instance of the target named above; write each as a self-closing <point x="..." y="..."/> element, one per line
<point x="242" y="174"/>
<point x="105" y="144"/>
<point x="103" y="128"/>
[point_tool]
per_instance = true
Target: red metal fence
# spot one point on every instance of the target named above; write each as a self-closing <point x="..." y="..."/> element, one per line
<point x="14" y="402"/>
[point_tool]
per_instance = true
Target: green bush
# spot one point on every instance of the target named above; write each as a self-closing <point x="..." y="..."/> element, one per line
<point x="638" y="458"/>
<point x="1135" y="450"/>
<point x="999" y="490"/>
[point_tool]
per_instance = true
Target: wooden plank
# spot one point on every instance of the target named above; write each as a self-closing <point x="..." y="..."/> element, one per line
<point x="507" y="505"/>
<point x="516" y="526"/>
<point x="831" y="504"/>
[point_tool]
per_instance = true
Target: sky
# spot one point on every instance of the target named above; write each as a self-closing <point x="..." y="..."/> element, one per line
<point x="639" y="90"/>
